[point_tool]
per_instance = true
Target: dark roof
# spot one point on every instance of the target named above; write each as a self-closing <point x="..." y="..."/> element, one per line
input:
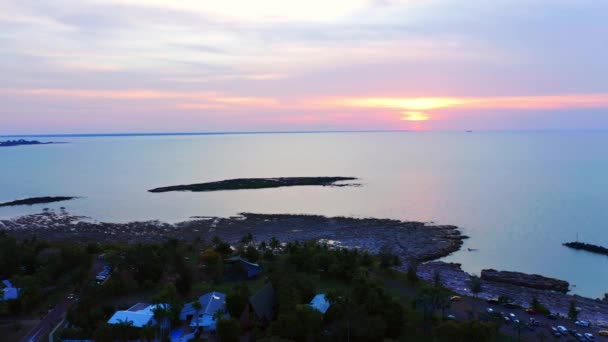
<point x="263" y="302"/>
<point x="250" y="268"/>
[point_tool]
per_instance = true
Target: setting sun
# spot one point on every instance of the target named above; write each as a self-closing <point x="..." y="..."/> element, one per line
<point x="415" y="116"/>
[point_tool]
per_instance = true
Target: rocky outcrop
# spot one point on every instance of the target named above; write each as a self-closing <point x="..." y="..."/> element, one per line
<point x="587" y="247"/>
<point x="258" y="183"/>
<point x="534" y="281"/>
<point x="454" y="278"/>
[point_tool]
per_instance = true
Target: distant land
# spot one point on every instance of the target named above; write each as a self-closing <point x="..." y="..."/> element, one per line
<point x="257" y="183"/>
<point x="11" y="143"/>
<point x="37" y="200"/>
<point x="587" y="247"/>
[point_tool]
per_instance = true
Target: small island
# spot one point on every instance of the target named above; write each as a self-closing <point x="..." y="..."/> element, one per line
<point x="258" y="183"/>
<point x="37" y="200"/>
<point x="20" y="142"/>
<point x="587" y="247"/>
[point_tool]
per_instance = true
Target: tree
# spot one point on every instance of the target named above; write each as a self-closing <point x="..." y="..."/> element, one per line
<point x="228" y="330"/>
<point x="197" y="306"/>
<point x="247" y="239"/>
<point x="538" y="306"/>
<point x="300" y="324"/>
<point x="274" y="244"/>
<point x="431" y="299"/>
<point x="436" y="279"/>
<point x="237" y="299"/>
<point x="213" y="263"/>
<point x="123" y="330"/>
<point x="572" y="311"/>
<point x="411" y="275"/>
<point x="251" y="253"/>
<point x="475" y="284"/>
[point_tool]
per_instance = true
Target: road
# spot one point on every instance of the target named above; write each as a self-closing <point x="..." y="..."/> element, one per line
<point x="41" y="331"/>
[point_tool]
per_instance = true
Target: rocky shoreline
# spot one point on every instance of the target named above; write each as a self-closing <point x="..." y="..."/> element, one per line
<point x="454" y="278"/>
<point x="414" y="243"/>
<point x="411" y="241"/>
<point x="534" y="281"/>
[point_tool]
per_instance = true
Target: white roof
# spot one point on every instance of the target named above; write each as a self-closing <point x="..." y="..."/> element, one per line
<point x="9" y="292"/>
<point x="138" y="318"/>
<point x="320" y="303"/>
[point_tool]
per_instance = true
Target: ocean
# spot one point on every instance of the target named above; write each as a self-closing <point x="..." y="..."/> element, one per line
<point x="518" y="195"/>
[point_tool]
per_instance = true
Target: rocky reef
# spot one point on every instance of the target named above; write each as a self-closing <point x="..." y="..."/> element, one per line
<point x="257" y="183"/>
<point x="453" y="277"/>
<point x="411" y="241"/>
<point x="534" y="281"/>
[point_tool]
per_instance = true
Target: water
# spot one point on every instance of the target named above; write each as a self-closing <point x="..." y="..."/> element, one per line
<point x="518" y="195"/>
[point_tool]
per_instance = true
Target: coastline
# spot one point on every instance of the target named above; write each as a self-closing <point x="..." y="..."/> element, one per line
<point x="415" y="243"/>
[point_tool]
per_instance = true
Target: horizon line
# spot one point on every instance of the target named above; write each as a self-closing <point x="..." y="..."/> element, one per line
<point x="126" y="134"/>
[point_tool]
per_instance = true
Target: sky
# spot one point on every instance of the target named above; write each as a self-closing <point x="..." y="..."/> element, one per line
<point x="112" y="66"/>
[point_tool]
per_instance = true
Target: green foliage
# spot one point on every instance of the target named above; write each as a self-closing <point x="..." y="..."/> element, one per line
<point x="411" y="274"/>
<point x="251" y="253"/>
<point x="237" y="299"/>
<point x="33" y="265"/>
<point x="539" y="307"/>
<point x="475" y="284"/>
<point x="388" y="258"/>
<point x="300" y="323"/>
<point x="466" y="331"/>
<point x="228" y="330"/>
<point x="572" y="311"/>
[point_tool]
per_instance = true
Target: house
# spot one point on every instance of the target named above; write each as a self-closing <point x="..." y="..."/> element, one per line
<point x="261" y="307"/>
<point x="211" y="303"/>
<point x="239" y="265"/>
<point x="8" y="291"/>
<point x="320" y="303"/>
<point x="139" y="315"/>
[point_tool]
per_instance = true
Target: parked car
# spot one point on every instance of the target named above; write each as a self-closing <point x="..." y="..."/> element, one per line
<point x="562" y="329"/>
<point x="603" y="333"/>
<point x="582" y="323"/>
<point x="451" y="317"/>
<point x="555" y="332"/>
<point x="455" y="298"/>
<point x="552" y="316"/>
<point x="589" y="336"/>
<point x="531" y="311"/>
<point x="512" y="315"/>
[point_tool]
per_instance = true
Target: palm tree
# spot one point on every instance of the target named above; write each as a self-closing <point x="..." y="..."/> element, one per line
<point x="123" y="328"/>
<point x="161" y="316"/>
<point x="148" y="332"/>
<point x="197" y="306"/>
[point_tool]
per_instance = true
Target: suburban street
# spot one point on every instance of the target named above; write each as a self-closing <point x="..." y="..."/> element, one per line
<point x="41" y="331"/>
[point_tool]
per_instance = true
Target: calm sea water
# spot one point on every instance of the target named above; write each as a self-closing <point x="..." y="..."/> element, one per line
<point x="517" y="195"/>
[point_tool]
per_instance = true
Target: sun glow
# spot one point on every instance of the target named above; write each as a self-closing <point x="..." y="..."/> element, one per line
<point x="415" y="116"/>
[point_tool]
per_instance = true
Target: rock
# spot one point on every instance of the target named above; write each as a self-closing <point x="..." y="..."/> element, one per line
<point x="534" y="281"/>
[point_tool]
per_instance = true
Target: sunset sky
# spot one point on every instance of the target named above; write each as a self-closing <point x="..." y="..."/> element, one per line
<point x="106" y="66"/>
